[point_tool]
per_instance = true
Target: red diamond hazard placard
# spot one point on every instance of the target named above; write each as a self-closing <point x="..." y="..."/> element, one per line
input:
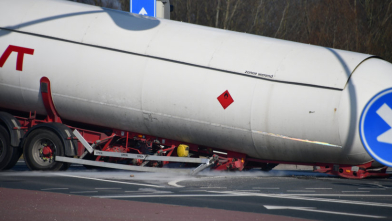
<point x="225" y="99"/>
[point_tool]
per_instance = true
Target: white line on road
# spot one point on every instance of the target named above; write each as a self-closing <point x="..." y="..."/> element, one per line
<point x="56" y="189"/>
<point x="110" y="181"/>
<point x="137" y="191"/>
<point x="192" y="191"/>
<point x="355" y="191"/>
<point x="266" y="188"/>
<point x="239" y="194"/>
<point x="108" y="188"/>
<point x="248" y="190"/>
<point x="285" y="196"/>
<point x="371" y="189"/>
<point x="85" y="192"/>
<point x="376" y="185"/>
<point x="298" y="197"/>
<point x="211" y="187"/>
<point x="310" y="209"/>
<point x="338" y="195"/>
<point x="302" y="191"/>
<point x="281" y="196"/>
<point x="174" y="183"/>
<point x="166" y="196"/>
<point x="318" y="188"/>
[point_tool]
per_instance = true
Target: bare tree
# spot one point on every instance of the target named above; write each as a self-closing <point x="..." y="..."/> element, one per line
<point x="283" y="18"/>
<point x="256" y="17"/>
<point x="217" y="13"/>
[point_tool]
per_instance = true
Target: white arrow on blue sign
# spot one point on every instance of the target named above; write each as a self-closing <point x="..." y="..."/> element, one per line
<point x="375" y="127"/>
<point x="143" y="7"/>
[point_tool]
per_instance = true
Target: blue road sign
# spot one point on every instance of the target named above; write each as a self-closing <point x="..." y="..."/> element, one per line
<point x="143" y="7"/>
<point x="375" y="127"/>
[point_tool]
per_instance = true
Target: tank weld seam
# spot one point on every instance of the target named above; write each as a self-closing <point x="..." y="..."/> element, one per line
<point x="173" y="61"/>
<point x="296" y="139"/>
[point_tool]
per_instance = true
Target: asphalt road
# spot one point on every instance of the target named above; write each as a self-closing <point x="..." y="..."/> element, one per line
<point x="299" y="194"/>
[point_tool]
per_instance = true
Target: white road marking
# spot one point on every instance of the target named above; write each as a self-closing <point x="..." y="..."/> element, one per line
<point x="248" y="190"/>
<point x="355" y="191"/>
<point x="266" y="188"/>
<point x="137" y="191"/>
<point x="372" y="189"/>
<point x="311" y="209"/>
<point x="110" y="181"/>
<point x="56" y="189"/>
<point x="174" y="183"/>
<point x="166" y="196"/>
<point x="211" y="187"/>
<point x="147" y="192"/>
<point x="239" y="194"/>
<point x="192" y="191"/>
<point x="381" y="186"/>
<point x="337" y="195"/>
<point x="108" y="188"/>
<point x="318" y="188"/>
<point x="161" y="192"/>
<point x="301" y="191"/>
<point x="282" y="196"/>
<point x="85" y="192"/>
<point x="299" y="197"/>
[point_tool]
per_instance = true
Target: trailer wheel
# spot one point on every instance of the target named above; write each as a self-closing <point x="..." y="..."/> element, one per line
<point x="8" y="155"/>
<point x="40" y="149"/>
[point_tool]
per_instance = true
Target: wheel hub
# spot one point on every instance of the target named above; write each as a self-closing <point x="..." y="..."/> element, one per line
<point x="46" y="151"/>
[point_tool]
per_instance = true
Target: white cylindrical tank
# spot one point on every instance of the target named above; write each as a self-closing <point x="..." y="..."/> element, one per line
<point x="291" y="101"/>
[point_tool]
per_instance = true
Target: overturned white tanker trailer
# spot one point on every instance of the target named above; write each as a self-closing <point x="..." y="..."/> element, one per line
<point x="137" y="87"/>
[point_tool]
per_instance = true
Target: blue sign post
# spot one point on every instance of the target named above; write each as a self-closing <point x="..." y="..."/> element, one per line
<point x="375" y="127"/>
<point x="143" y="7"/>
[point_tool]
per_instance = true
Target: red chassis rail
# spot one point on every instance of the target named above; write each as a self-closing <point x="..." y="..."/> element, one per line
<point x="131" y="142"/>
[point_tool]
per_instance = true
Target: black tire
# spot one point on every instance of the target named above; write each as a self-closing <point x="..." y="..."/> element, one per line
<point x="14" y="158"/>
<point x="8" y="155"/>
<point x="34" y="151"/>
